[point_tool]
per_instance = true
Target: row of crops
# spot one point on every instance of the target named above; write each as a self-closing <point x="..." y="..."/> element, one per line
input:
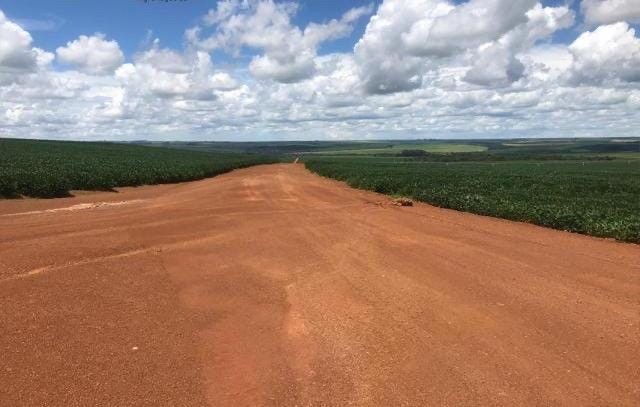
<point x="595" y="198"/>
<point x="53" y="168"/>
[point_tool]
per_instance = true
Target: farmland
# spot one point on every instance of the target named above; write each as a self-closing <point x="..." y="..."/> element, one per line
<point x="49" y="169"/>
<point x="274" y="286"/>
<point x="397" y="148"/>
<point x="436" y="150"/>
<point x="354" y="147"/>
<point x="599" y="198"/>
<point x="589" y="186"/>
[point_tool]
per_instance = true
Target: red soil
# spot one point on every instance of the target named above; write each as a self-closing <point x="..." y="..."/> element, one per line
<point x="273" y="286"/>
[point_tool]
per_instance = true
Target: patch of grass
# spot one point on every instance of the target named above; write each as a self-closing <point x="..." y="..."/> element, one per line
<point x="47" y="169"/>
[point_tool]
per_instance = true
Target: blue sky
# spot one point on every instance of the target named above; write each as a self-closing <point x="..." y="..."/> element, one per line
<point x="52" y="23"/>
<point x="249" y="69"/>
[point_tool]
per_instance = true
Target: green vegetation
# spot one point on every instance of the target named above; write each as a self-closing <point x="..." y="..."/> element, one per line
<point x="600" y="198"/>
<point x="396" y="149"/>
<point x="589" y="186"/>
<point x="54" y="168"/>
<point x="266" y="147"/>
<point x="384" y="147"/>
<point x="437" y="150"/>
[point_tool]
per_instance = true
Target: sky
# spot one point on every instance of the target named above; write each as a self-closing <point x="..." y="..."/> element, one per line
<point x="318" y="69"/>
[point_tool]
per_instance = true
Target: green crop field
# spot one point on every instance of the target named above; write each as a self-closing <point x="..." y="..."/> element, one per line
<point x="590" y="186"/>
<point x="435" y="150"/>
<point x="600" y="198"/>
<point x="394" y="149"/>
<point x="54" y="168"/>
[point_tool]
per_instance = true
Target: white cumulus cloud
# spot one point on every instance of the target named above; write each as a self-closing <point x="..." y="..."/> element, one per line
<point x="288" y="52"/>
<point x="423" y="68"/>
<point x="167" y="73"/>
<point x="467" y="25"/>
<point x="610" y="11"/>
<point x="498" y="63"/>
<point x="609" y="53"/>
<point x="17" y="55"/>
<point x="92" y="54"/>
<point x="408" y="38"/>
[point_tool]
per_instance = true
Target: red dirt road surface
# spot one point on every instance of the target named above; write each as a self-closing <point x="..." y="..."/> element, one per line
<point x="274" y="286"/>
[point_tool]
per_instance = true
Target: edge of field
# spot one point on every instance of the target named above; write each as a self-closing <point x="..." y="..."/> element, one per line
<point x="634" y="240"/>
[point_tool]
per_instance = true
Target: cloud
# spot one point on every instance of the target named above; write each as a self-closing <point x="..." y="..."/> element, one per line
<point x="166" y="73"/>
<point x="288" y="52"/>
<point x="384" y="63"/>
<point x="495" y="66"/>
<point x="598" y="12"/>
<point x="222" y="81"/>
<point x="451" y="29"/>
<point x="497" y="63"/>
<point x="16" y="52"/>
<point x="284" y="68"/>
<point x="163" y="59"/>
<point x="94" y="54"/>
<point x="502" y="76"/>
<point x="52" y="23"/>
<point x="406" y="39"/>
<point x="547" y="62"/>
<point x="607" y="54"/>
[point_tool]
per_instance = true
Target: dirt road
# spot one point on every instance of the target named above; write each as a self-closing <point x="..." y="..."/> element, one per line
<point x="273" y="286"/>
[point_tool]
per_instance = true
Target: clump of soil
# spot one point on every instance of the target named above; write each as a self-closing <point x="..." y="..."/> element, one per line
<point x="402" y="202"/>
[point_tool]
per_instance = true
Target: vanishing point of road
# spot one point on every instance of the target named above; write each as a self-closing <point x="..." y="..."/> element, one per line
<point x="273" y="286"/>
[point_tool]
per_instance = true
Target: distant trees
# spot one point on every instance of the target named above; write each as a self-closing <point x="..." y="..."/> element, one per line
<point x="413" y="153"/>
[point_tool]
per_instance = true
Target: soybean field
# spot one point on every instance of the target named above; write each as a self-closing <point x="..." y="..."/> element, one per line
<point x="599" y="198"/>
<point x="47" y="169"/>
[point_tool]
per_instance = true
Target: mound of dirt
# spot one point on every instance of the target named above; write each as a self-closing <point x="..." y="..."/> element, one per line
<point x="402" y="202"/>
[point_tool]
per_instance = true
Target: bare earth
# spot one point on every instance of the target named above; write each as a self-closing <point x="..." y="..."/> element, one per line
<point x="273" y="286"/>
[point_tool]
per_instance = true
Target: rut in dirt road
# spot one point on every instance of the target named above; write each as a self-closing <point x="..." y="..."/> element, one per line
<point x="273" y="286"/>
